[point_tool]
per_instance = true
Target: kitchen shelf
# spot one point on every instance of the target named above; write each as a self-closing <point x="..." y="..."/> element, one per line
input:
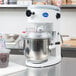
<point x="25" y="6"/>
<point x="69" y="6"/>
<point x="13" y="6"/>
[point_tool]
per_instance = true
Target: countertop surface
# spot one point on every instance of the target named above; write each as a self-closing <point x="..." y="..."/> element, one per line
<point x="69" y="43"/>
<point x="67" y="67"/>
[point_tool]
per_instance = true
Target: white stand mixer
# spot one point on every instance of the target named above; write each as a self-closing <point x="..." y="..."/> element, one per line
<point x="45" y="18"/>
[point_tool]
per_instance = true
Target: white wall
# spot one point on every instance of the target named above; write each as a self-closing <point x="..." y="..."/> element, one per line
<point x="14" y="19"/>
<point x="68" y="22"/>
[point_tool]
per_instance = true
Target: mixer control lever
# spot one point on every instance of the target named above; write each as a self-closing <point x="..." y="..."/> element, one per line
<point x="29" y="13"/>
<point x="57" y="43"/>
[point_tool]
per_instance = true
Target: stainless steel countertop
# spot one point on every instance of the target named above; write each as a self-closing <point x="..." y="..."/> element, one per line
<point x="67" y="67"/>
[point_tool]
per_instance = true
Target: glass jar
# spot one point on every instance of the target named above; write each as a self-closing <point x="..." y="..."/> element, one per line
<point x="4" y="57"/>
<point x="4" y="53"/>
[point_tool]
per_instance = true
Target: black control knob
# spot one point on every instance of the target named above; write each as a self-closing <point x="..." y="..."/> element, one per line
<point x="29" y="13"/>
<point x="57" y="43"/>
<point x="58" y="15"/>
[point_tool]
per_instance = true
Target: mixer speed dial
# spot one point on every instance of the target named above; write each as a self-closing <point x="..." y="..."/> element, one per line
<point x="29" y="13"/>
<point x="58" y="15"/>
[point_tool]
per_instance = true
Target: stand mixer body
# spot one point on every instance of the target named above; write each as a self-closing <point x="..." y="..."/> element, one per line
<point x="42" y="40"/>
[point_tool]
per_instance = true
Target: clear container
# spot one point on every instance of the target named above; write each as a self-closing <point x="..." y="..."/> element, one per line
<point x="24" y="2"/>
<point x="12" y="1"/>
<point x="4" y="57"/>
<point x="4" y="53"/>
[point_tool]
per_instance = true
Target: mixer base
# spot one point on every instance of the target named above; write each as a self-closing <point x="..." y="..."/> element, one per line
<point x="51" y="61"/>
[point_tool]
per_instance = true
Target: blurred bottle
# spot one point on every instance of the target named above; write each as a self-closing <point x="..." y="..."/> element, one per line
<point x="12" y="1"/>
<point x="64" y="2"/>
<point x="40" y="2"/>
<point x="56" y="2"/>
<point x="20" y="2"/>
<point x="5" y="1"/>
<point x="2" y="42"/>
<point x="1" y="1"/>
<point x="71" y="1"/>
<point x="24" y="2"/>
<point x="48" y="2"/>
<point x="27" y="2"/>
